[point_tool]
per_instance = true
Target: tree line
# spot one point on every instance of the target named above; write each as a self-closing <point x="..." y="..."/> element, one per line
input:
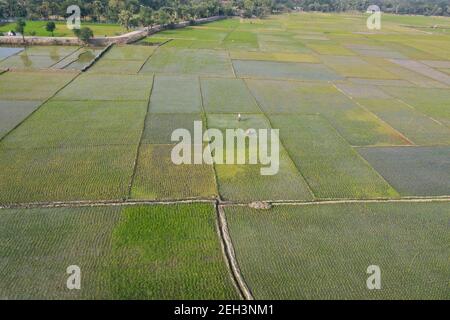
<point x="418" y="7"/>
<point x="132" y="13"/>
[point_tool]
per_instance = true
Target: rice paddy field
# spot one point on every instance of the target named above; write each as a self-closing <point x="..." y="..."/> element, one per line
<point x="86" y="176"/>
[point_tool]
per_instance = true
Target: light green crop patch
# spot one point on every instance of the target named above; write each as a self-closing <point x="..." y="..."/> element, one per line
<point x="286" y="46"/>
<point x="349" y="66"/>
<point x="176" y="94"/>
<point x="245" y="182"/>
<point x="234" y="179"/>
<point x="241" y="40"/>
<point x="273" y="56"/>
<point x="186" y="61"/>
<point x="418" y="127"/>
<point x="330" y="166"/>
<point x="193" y="33"/>
<point x="406" y="74"/>
<point x="221" y="95"/>
<point x="65" y="174"/>
<point x="37" y="28"/>
<point x="158" y="178"/>
<point x="406" y="240"/>
<point x="433" y="102"/>
<point x="81" y="123"/>
<point x="355" y="124"/>
<point x="284" y="70"/>
<point x="32" y="85"/>
<point x="327" y="48"/>
<point x="108" y="87"/>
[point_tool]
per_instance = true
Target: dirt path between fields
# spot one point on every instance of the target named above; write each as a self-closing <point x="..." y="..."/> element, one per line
<point x="220" y="202"/>
<point x="230" y="255"/>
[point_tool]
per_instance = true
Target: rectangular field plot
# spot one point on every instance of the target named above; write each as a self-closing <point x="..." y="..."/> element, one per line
<point x="241" y="40"/>
<point x="409" y="52"/>
<point x="376" y="51"/>
<point x="362" y="90"/>
<point x="330" y="166"/>
<point x="245" y="182"/>
<point x="108" y="87"/>
<point x="55" y="239"/>
<point x="356" y="67"/>
<point x="221" y="95"/>
<point x="129" y="52"/>
<point x="358" y="126"/>
<point x="434" y="47"/>
<point x="160" y="126"/>
<point x="158" y="178"/>
<point x="381" y="82"/>
<point x="323" y="251"/>
<point x="199" y="33"/>
<point x="174" y="252"/>
<point x="329" y="48"/>
<point x="117" y="66"/>
<point x="176" y="94"/>
<point x="123" y="253"/>
<point x="287" y="45"/>
<point x="415" y="125"/>
<point x="405" y="74"/>
<point x="81" y="123"/>
<point x="186" y="61"/>
<point x="273" y="56"/>
<point x="41" y="175"/>
<point x="413" y="171"/>
<point x="432" y="102"/>
<point x="283" y="70"/>
<point x="423" y="70"/>
<point x="444" y="64"/>
<point x="13" y="112"/>
<point x="32" y="85"/>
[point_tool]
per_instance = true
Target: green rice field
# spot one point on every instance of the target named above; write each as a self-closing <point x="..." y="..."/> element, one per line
<point x="363" y="120"/>
<point x="323" y="251"/>
<point x="125" y="253"/>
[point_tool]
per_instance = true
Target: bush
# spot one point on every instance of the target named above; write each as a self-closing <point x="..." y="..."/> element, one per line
<point x="84" y="34"/>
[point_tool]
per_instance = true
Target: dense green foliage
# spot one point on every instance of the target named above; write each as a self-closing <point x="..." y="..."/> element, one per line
<point x="425" y="7"/>
<point x="131" y="13"/>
